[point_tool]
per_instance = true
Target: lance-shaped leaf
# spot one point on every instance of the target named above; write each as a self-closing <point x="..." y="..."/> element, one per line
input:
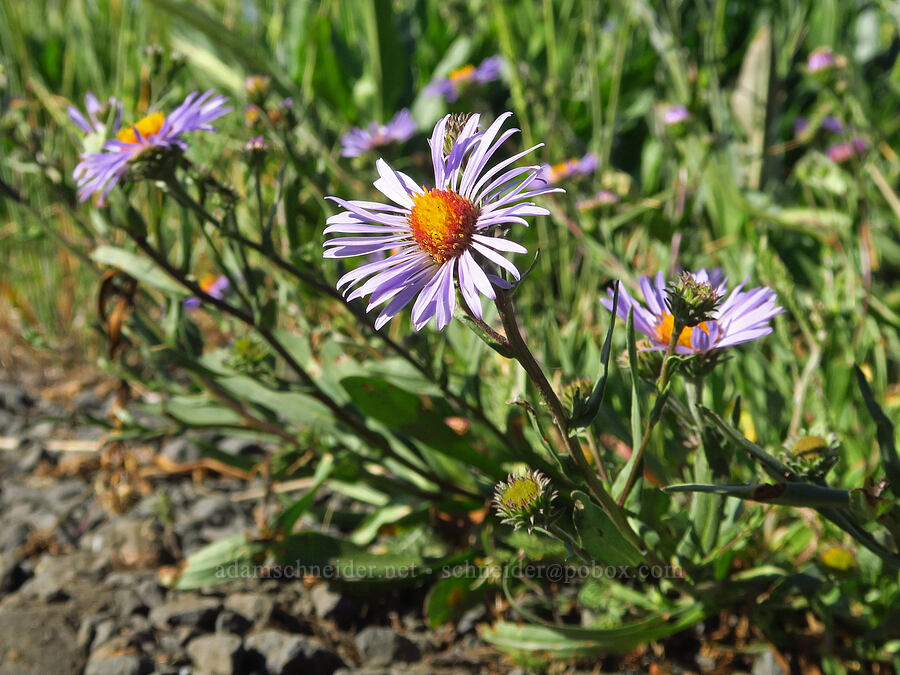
<point x="890" y="461"/>
<point x="787" y="494"/>
<point x="583" y="417"/>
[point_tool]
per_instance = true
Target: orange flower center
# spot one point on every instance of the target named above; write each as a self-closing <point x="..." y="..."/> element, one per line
<point x="148" y="126"/>
<point x="463" y="73"/>
<point x="667" y="324"/>
<point x="442" y="223"/>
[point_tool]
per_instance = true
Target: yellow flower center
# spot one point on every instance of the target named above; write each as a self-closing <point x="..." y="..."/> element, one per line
<point x="463" y="73"/>
<point x="667" y="324"/>
<point x="148" y="126"/>
<point x="442" y="223"/>
<point x="521" y="491"/>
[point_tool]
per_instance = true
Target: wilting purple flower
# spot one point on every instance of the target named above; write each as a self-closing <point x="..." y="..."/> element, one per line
<point x="570" y="167"/>
<point x="841" y="152"/>
<point x="450" y="86"/>
<point x="438" y="236"/>
<point x="675" y="114"/>
<point x="358" y="141"/>
<point x="820" y="59"/>
<point x="90" y="124"/>
<point x="602" y="198"/>
<point x="216" y="286"/>
<point x="101" y="171"/>
<point x="741" y="317"/>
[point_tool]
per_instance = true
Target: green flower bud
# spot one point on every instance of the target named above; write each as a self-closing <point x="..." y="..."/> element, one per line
<point x="691" y="301"/>
<point x="524" y="498"/>
<point x="453" y="129"/>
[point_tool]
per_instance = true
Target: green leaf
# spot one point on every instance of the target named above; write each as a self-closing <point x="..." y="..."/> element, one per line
<point x="450" y="597"/>
<point x="221" y="561"/>
<point x="599" y="535"/>
<point x="585" y="417"/>
<point x="890" y="461"/>
<point x="142" y="269"/>
<point x="289" y="517"/>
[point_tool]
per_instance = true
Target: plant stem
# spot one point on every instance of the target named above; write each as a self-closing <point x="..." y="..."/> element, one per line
<point x="661" y="384"/>
<point x="568" y="443"/>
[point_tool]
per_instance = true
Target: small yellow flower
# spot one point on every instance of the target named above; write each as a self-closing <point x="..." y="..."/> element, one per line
<point x="839" y="559"/>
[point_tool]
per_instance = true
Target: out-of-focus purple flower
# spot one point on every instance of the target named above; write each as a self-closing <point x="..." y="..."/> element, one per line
<point x="841" y="152"/>
<point x="216" y="286"/>
<point x="438" y="237"/>
<point x="91" y="123"/>
<point x="451" y="86"/>
<point x="820" y="59"/>
<point x="101" y="171"/>
<point x="602" y="198"/>
<point x="801" y="124"/>
<point x="357" y="141"/>
<point x="568" y="168"/>
<point x="832" y="124"/>
<point x="741" y="317"/>
<point x="675" y="114"/>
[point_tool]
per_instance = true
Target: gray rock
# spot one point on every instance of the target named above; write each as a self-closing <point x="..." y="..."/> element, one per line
<point x="13" y="533"/>
<point x="254" y="607"/>
<point x="41" y="430"/>
<point x="14" y="397"/>
<point x="29" y="456"/>
<point x="469" y="619"/>
<point x="54" y="574"/>
<point x="332" y="606"/>
<point x="187" y="611"/>
<point x="150" y="593"/>
<point x="128" y="664"/>
<point x="87" y="630"/>
<point x="181" y="450"/>
<point x="282" y="653"/>
<point x="128" y="602"/>
<point x="104" y="631"/>
<point x="132" y="542"/>
<point x="240" y="446"/>
<point x="232" y="622"/>
<point x="216" y="654"/>
<point x="381" y="646"/>
<point x="767" y="664"/>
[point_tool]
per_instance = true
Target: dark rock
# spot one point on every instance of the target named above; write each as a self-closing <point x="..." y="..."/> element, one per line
<point x="232" y="622"/>
<point x="181" y="450"/>
<point x="282" y="653"/>
<point x="188" y="611"/>
<point x="11" y="574"/>
<point x="381" y="646"/>
<point x="128" y="664"/>
<point x="216" y="654"/>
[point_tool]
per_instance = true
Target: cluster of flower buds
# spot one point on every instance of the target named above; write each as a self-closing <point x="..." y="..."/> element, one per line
<point x="454" y="128"/>
<point x="525" y="500"/>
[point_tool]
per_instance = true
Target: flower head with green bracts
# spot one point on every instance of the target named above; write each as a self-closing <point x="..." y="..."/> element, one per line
<point x="741" y="316"/>
<point x="102" y="171"/>
<point x="442" y="237"/>
<point x="523" y="499"/>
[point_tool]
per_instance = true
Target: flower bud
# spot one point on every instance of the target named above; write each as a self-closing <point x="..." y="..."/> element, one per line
<point x="812" y="456"/>
<point x="523" y="499"/>
<point x="691" y="301"/>
<point x="256" y="150"/>
<point x="453" y="129"/>
<point x="575" y="395"/>
<point x="257" y="88"/>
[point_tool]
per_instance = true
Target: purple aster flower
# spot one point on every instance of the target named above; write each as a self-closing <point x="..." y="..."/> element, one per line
<point x="90" y="124"/>
<point x="570" y="167"/>
<point x="450" y="86"/>
<point x="216" y="286"/>
<point x="438" y="237"/>
<point x="841" y="152"/>
<point x="741" y="317"/>
<point x="832" y="124"/>
<point x="358" y="141"/>
<point x="101" y="171"/>
<point x="675" y="114"/>
<point x="820" y="59"/>
<point x="801" y="124"/>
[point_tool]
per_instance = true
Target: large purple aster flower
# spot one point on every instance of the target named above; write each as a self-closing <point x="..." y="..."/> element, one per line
<point x="741" y="317"/>
<point x="438" y="236"/>
<point x="450" y="86"/>
<point x="357" y="141"/>
<point x="90" y="123"/>
<point x="101" y="171"/>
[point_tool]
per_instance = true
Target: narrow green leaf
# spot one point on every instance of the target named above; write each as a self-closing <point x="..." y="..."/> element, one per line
<point x="788" y="494"/>
<point x="890" y="460"/>
<point x="585" y="417"/>
<point x="140" y="268"/>
<point x="289" y="517"/>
